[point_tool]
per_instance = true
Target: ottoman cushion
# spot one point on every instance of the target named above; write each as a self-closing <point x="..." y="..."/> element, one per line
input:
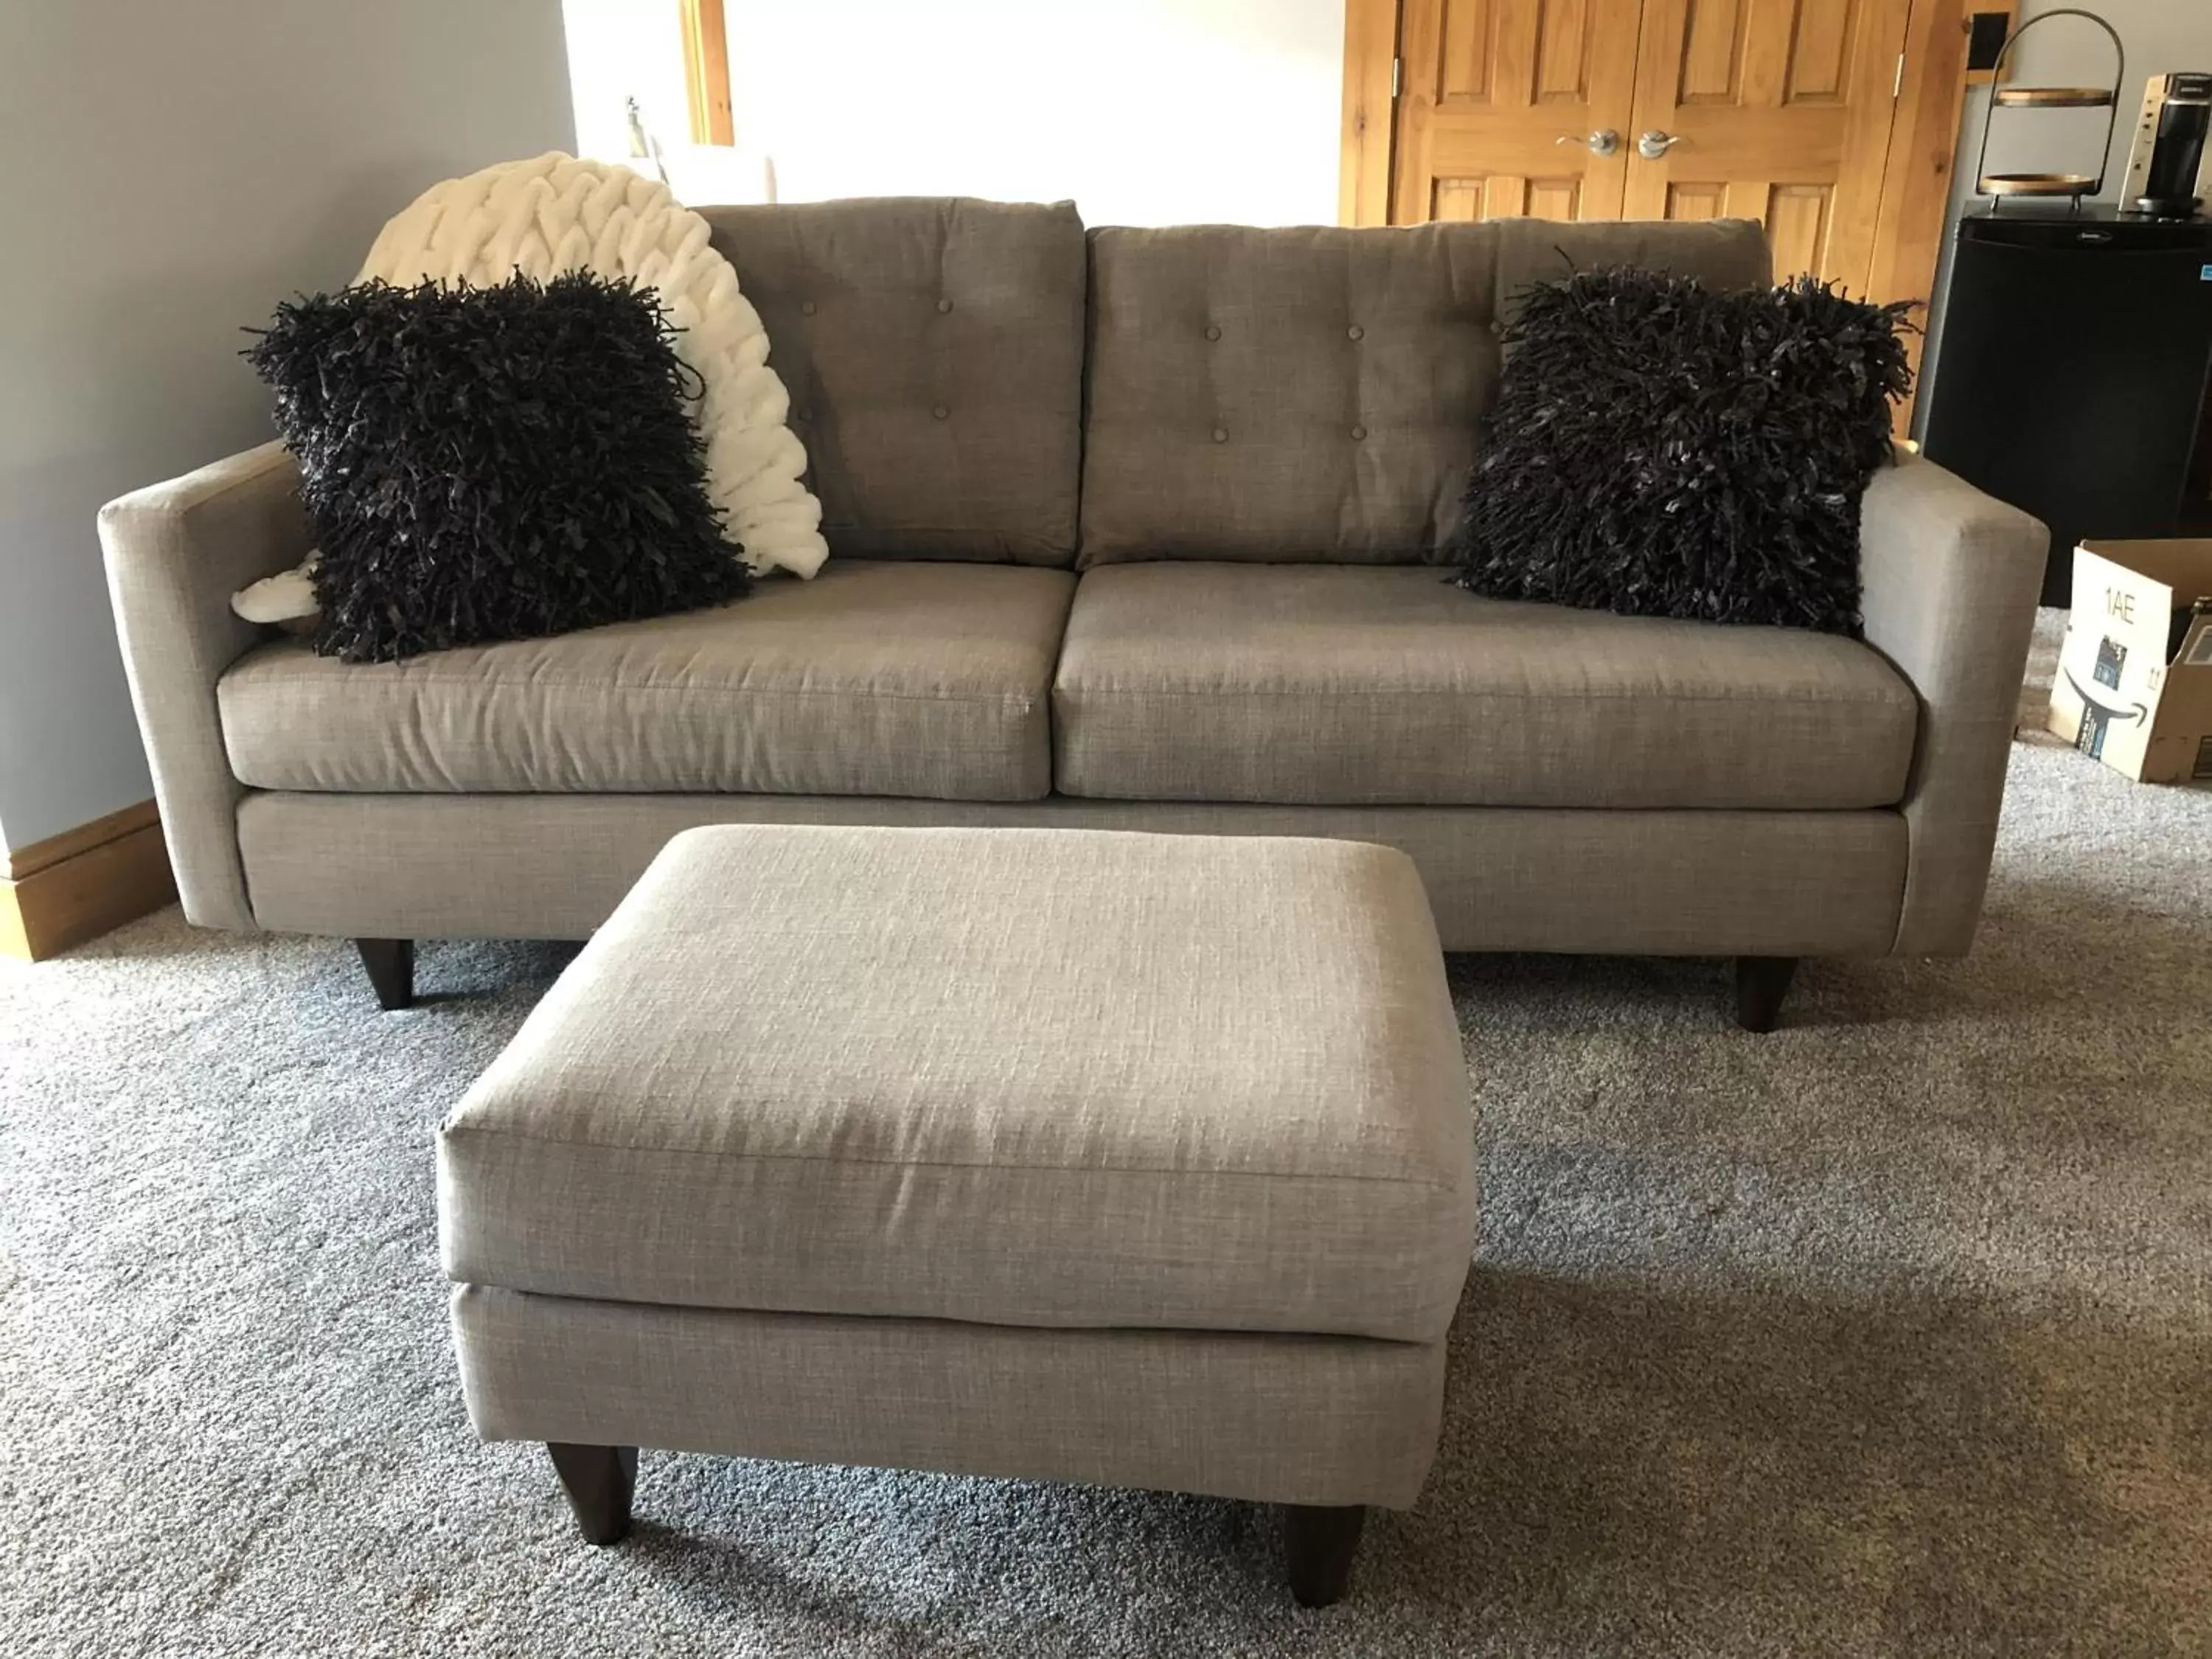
<point x="1033" y="1078"/>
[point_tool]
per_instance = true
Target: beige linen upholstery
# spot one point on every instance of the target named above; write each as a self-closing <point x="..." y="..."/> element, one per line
<point x="934" y="348"/>
<point x="1318" y="393"/>
<point x="1722" y="253"/>
<point x="175" y="554"/>
<point x="1653" y="883"/>
<point x="873" y="679"/>
<point x="1951" y="579"/>
<point x="1015" y="1076"/>
<point x="1339" y="684"/>
<point x="1136" y="1159"/>
<point x="1264" y="1417"/>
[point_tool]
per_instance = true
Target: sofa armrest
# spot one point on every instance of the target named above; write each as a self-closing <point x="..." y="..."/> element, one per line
<point x="175" y="554"/>
<point x="1951" y="578"/>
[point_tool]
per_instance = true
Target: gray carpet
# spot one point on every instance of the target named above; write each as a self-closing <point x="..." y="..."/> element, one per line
<point x="1888" y="1334"/>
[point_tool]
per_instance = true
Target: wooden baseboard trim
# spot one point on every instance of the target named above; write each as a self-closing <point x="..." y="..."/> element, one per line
<point x="28" y="861"/>
<point x="85" y="882"/>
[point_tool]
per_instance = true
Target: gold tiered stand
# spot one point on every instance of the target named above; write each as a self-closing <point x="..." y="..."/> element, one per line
<point x="1998" y="185"/>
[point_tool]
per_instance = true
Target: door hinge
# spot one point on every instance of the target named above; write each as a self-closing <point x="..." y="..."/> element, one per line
<point x="1897" y="81"/>
<point x="1396" y="65"/>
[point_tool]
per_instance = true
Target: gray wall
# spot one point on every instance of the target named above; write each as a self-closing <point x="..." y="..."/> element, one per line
<point x="2158" y="35"/>
<point x="173" y="168"/>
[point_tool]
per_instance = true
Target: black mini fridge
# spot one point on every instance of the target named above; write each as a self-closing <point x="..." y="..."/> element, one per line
<point x="2070" y="378"/>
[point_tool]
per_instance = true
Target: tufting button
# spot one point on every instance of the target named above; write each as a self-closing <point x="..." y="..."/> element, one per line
<point x="804" y="414"/>
<point x="1496" y="326"/>
<point x="806" y="307"/>
<point x="1212" y="331"/>
<point x="945" y="304"/>
<point x="940" y="412"/>
<point x="1221" y="434"/>
<point x="1354" y="332"/>
<point x="1358" y="433"/>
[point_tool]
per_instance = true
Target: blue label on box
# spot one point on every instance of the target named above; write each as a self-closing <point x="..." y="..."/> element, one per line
<point x="2204" y="273"/>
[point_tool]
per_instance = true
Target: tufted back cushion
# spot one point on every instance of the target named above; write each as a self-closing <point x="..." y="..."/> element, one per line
<point x="933" y="350"/>
<point x="1317" y="394"/>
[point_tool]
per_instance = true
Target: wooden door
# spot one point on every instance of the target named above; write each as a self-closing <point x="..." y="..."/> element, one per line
<point x="1498" y="101"/>
<point x="1776" y="110"/>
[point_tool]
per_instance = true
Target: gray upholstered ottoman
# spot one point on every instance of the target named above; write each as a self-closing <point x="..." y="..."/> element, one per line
<point x="1138" y="1159"/>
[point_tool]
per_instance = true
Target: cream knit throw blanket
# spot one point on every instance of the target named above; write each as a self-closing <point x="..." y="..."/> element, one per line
<point x="557" y="214"/>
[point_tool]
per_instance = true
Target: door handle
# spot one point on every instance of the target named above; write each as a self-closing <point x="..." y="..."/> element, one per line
<point x="1604" y="142"/>
<point x="1655" y="143"/>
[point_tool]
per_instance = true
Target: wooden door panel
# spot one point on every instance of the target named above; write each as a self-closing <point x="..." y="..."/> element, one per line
<point x="1696" y="201"/>
<point x="1781" y="113"/>
<point x="1820" y="62"/>
<point x="1796" y="215"/>
<point x="1553" y="198"/>
<point x="1490" y="88"/>
<point x="1788" y="110"/>
<point x="1796" y="218"/>
<point x="1723" y="145"/>
<point x="1504" y="196"/>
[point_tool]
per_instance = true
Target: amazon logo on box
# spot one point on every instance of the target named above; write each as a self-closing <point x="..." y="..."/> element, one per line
<point x="2135" y="674"/>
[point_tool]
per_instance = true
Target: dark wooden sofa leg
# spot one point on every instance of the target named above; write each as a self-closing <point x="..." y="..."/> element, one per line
<point x="1320" y="1540"/>
<point x="390" y="964"/>
<point x="599" y="1480"/>
<point x="1761" y="982"/>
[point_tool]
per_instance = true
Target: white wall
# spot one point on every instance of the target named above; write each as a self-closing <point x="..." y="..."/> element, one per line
<point x="2157" y="36"/>
<point x="620" y="49"/>
<point x="173" y="170"/>
<point x="1142" y="111"/>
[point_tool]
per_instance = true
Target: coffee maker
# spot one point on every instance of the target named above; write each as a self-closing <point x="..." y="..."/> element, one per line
<point x="2170" y="162"/>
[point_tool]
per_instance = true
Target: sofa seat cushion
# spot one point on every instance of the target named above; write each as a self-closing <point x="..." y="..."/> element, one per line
<point x="926" y="680"/>
<point x="1339" y="685"/>
<point x="1016" y="1076"/>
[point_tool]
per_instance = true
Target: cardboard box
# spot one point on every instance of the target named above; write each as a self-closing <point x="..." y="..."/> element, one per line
<point x="2134" y="687"/>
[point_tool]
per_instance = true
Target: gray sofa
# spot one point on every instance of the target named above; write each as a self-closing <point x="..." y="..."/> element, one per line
<point x="1131" y="529"/>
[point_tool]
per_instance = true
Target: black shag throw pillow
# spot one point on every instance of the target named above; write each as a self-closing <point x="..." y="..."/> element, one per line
<point x="493" y="463"/>
<point x="1662" y="450"/>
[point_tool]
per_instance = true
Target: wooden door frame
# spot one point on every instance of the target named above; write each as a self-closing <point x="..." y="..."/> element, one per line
<point x="1371" y="112"/>
<point x="1916" y="180"/>
<point x="707" y="72"/>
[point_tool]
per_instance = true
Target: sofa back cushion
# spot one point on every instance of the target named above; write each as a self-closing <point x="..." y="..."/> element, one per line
<point x="1308" y="394"/>
<point x="933" y="350"/>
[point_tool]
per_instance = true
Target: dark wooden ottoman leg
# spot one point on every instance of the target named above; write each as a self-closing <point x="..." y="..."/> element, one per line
<point x="1761" y="982"/>
<point x="599" y="1481"/>
<point x="390" y="964"/>
<point x="1320" y="1540"/>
